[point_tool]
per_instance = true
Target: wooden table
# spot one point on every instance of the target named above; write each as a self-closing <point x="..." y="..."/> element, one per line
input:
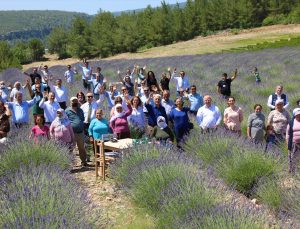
<point x="100" y="148"/>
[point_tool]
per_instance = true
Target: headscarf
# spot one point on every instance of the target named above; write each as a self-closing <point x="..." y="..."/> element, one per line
<point x="117" y="114"/>
<point x="63" y="121"/>
<point x="161" y="122"/>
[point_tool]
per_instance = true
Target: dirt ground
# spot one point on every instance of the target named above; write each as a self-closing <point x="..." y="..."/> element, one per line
<point x="198" y="45"/>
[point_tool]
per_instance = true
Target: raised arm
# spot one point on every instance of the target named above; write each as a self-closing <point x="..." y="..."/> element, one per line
<point x="234" y="75"/>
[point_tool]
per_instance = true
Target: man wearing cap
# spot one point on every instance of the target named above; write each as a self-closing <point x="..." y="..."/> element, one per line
<point x="279" y="119"/>
<point x="208" y="116"/>
<point x="76" y="117"/>
<point x="276" y="96"/>
<point x="293" y="140"/>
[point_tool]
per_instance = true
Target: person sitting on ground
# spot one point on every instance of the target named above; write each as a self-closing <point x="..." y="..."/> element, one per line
<point x="208" y="116"/>
<point x="256" y="125"/>
<point x="233" y="116"/>
<point x="98" y="127"/>
<point x="162" y="133"/>
<point x="118" y="123"/>
<point x="279" y="119"/>
<point x="293" y="140"/>
<point x="4" y="123"/>
<point x="224" y="85"/>
<point x="40" y="131"/>
<point x="278" y="95"/>
<point x="61" y="129"/>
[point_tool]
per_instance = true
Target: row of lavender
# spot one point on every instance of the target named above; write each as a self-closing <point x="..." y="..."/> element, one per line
<point x="37" y="190"/>
<point x="181" y="192"/>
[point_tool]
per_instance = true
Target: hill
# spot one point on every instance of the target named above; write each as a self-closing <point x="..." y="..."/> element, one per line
<point x="34" y="23"/>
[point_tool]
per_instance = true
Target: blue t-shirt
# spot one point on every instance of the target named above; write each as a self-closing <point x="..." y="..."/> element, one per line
<point x="98" y="127"/>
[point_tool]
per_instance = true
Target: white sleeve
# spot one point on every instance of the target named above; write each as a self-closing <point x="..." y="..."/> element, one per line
<point x="270" y="103"/>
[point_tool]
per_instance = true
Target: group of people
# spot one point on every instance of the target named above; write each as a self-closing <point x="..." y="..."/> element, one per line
<point x="143" y="104"/>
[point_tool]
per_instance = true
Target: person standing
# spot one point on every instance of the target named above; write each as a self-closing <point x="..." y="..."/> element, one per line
<point x="50" y="107"/>
<point x="4" y="122"/>
<point x="33" y="75"/>
<point x="224" y="85"/>
<point x="17" y="88"/>
<point x="293" y="140"/>
<point x="208" y="116"/>
<point x="61" y="129"/>
<point x="256" y="125"/>
<point x="39" y="131"/>
<point x="61" y="94"/>
<point x="182" y="81"/>
<point x="256" y="75"/>
<point x="279" y="119"/>
<point x="47" y="75"/>
<point x="165" y="80"/>
<point x="20" y="110"/>
<point x="278" y="95"/>
<point x="233" y="116"/>
<point x="76" y="117"/>
<point x="86" y="75"/>
<point x="4" y="91"/>
<point x="179" y="117"/>
<point x="69" y="74"/>
<point x="167" y="103"/>
<point x="195" y="99"/>
<point x="97" y="82"/>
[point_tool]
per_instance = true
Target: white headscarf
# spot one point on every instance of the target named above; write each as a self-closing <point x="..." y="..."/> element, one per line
<point x="161" y="122"/>
<point x="117" y="114"/>
<point x="63" y="121"/>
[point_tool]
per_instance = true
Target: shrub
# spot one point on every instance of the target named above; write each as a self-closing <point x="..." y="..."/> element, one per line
<point x="43" y="197"/>
<point x="29" y="154"/>
<point x="244" y="168"/>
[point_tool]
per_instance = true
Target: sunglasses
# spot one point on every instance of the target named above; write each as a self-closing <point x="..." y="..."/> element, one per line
<point x="90" y="96"/>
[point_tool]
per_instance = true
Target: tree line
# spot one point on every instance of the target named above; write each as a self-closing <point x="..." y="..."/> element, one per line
<point x="106" y="34"/>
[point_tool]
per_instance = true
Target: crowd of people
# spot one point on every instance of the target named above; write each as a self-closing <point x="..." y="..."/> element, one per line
<point x="142" y="104"/>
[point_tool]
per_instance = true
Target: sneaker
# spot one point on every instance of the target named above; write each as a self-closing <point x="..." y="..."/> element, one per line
<point x="84" y="164"/>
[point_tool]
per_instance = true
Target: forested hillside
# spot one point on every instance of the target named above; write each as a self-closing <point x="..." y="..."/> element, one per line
<point x="34" y="23"/>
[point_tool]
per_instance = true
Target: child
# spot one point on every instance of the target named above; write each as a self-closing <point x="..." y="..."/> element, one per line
<point x="270" y="137"/>
<point x="256" y="74"/>
<point x="40" y="131"/>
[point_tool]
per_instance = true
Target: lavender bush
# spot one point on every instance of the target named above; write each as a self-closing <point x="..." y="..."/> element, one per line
<point x="43" y="196"/>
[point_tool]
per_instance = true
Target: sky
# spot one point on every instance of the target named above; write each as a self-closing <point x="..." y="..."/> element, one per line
<point x="85" y="6"/>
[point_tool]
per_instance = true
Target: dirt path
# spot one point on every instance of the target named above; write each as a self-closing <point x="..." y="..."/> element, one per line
<point x="198" y="45"/>
<point x="117" y="210"/>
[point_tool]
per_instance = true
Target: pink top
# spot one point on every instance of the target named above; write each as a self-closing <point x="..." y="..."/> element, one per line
<point x="63" y="133"/>
<point x="296" y="132"/>
<point x="38" y="132"/>
<point x="120" y="125"/>
<point x="233" y="118"/>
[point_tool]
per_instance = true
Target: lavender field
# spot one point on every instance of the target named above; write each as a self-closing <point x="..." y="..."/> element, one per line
<point x="212" y="182"/>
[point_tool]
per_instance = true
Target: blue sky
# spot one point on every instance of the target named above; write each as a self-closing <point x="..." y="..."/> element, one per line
<point x="85" y="6"/>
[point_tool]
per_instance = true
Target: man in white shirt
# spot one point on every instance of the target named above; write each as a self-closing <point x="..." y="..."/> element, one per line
<point x="208" y="116"/>
<point x="17" y="88"/>
<point x="69" y="74"/>
<point x="86" y="75"/>
<point x="47" y="75"/>
<point x="89" y="110"/>
<point x="277" y="96"/>
<point x="61" y="94"/>
<point x="50" y="107"/>
<point x="166" y="102"/>
<point x="182" y="81"/>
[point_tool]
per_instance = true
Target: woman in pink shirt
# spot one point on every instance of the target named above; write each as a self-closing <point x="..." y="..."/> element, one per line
<point x="40" y="131"/>
<point x="233" y="116"/>
<point x="118" y="123"/>
<point x="61" y="129"/>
